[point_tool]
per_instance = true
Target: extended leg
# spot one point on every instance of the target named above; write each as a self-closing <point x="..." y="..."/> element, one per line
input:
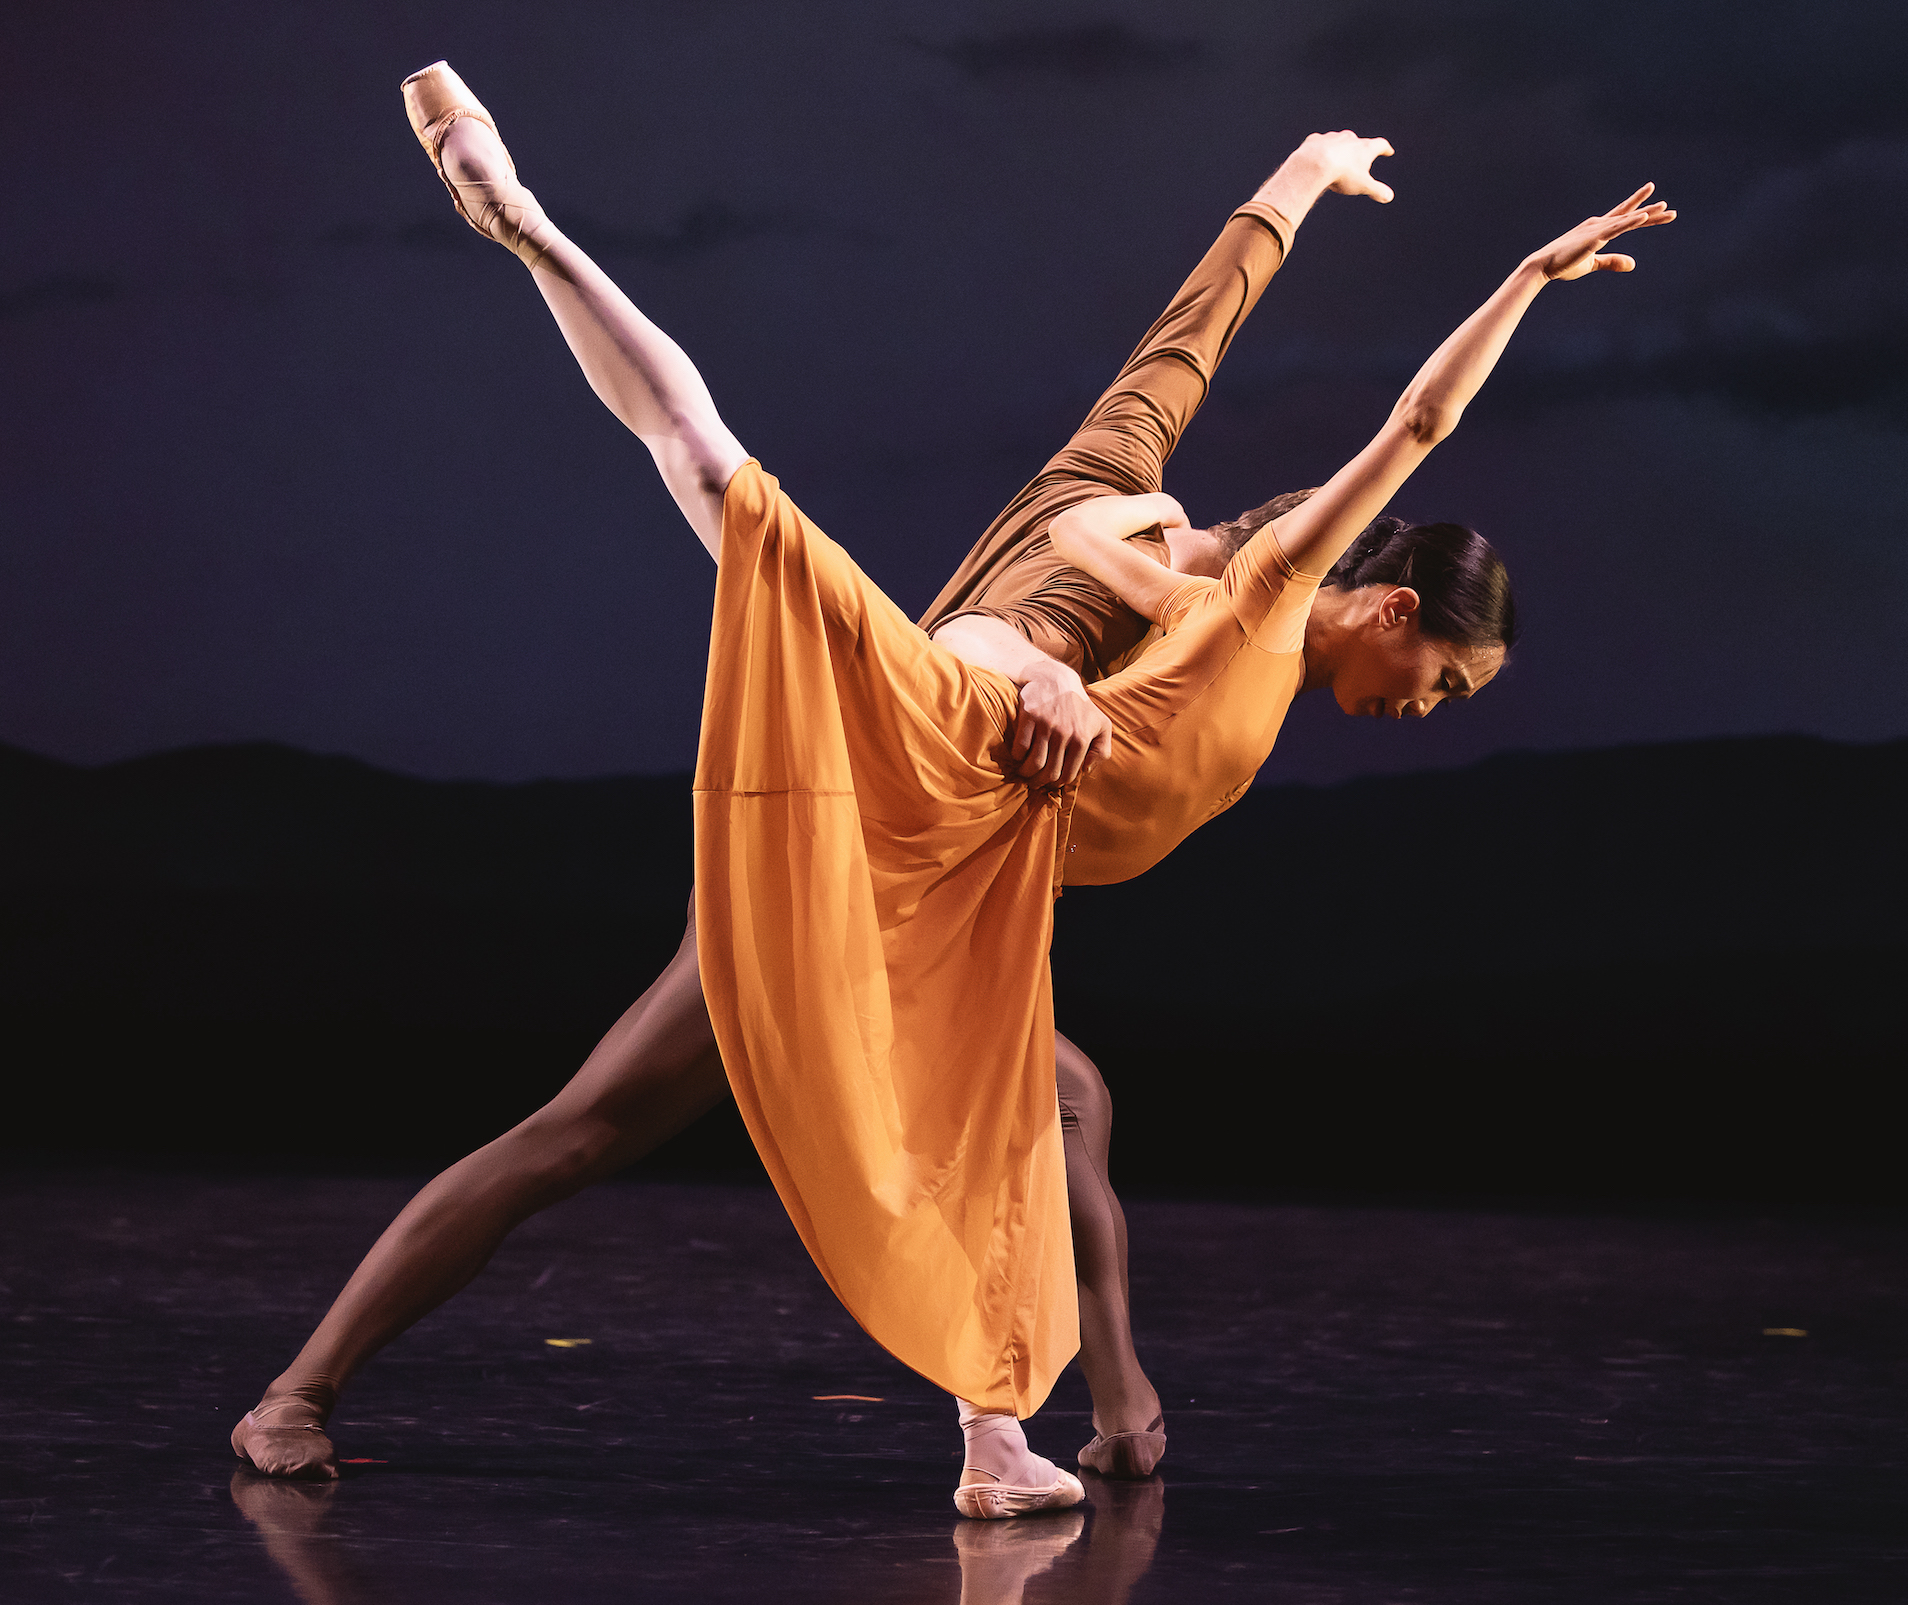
<point x="639" y="372"/>
<point x="655" y="1072"/>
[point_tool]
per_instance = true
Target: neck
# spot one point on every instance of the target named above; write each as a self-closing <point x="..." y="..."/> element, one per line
<point x="1327" y="628"/>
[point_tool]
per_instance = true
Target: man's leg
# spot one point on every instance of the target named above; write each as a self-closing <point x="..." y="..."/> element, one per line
<point x="1123" y="1399"/>
<point x="655" y="1072"/>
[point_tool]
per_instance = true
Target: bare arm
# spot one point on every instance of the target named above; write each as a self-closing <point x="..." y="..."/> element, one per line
<point x="1059" y="730"/>
<point x="1092" y="536"/>
<point x="1315" y="535"/>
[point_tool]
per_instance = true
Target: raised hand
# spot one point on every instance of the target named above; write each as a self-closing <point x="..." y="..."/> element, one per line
<point x="1340" y="161"/>
<point x="1345" y="162"/>
<point x="1572" y="255"/>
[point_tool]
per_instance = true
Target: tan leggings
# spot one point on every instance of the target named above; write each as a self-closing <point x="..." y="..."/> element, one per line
<point x="656" y="1071"/>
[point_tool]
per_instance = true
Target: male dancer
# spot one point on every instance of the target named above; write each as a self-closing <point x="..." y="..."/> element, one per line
<point x="1013" y="607"/>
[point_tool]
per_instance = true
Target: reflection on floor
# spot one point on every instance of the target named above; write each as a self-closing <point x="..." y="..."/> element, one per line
<point x="1366" y="1404"/>
<point x="1096" y="1554"/>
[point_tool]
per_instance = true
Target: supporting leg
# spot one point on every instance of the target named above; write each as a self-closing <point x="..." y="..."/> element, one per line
<point x="1002" y="1476"/>
<point x="655" y="1072"/>
<point x="1125" y="1404"/>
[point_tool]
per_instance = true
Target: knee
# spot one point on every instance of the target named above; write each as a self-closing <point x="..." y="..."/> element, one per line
<point x="558" y="1157"/>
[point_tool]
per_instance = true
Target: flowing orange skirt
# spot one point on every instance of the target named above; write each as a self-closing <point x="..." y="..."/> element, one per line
<point x="874" y="905"/>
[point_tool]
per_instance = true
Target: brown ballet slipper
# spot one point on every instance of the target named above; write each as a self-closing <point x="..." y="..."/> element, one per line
<point x="997" y="1500"/>
<point x="1130" y="1455"/>
<point x="434" y="100"/>
<point x="303" y="1448"/>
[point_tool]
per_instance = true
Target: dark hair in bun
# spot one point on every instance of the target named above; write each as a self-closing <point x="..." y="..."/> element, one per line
<point x="1464" y="591"/>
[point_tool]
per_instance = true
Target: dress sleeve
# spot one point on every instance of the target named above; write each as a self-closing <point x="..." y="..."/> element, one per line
<point x="1173" y="610"/>
<point x="1269" y="597"/>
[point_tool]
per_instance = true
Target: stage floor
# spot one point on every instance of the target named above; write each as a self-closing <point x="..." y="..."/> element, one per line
<point x="1364" y="1405"/>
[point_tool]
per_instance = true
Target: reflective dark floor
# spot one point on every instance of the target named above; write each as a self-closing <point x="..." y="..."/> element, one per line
<point x="1365" y="1405"/>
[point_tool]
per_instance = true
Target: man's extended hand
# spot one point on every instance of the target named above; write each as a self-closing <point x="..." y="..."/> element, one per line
<point x="1339" y="161"/>
<point x="1060" y="730"/>
<point x="1344" y="162"/>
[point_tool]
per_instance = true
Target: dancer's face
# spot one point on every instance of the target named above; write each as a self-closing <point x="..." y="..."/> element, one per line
<point x="1390" y="669"/>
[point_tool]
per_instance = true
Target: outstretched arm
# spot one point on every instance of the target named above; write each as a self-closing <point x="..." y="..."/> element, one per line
<point x="1315" y="534"/>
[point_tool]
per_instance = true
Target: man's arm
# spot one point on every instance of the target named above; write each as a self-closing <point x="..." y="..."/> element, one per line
<point x="1060" y="730"/>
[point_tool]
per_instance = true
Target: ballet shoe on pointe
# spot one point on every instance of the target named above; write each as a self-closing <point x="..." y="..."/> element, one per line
<point x="1126" y="1455"/>
<point x="299" y="1449"/>
<point x="504" y="211"/>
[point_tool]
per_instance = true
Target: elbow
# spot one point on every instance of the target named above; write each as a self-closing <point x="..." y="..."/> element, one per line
<point x="1427" y="422"/>
<point x="1064" y="534"/>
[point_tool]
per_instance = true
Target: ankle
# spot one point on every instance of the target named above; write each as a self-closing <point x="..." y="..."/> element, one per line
<point x="997" y="1450"/>
<point x="1126" y="1409"/>
<point x="288" y="1395"/>
<point x="490" y="195"/>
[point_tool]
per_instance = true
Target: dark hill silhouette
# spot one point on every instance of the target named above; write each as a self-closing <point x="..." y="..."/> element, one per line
<point x="1651" y="970"/>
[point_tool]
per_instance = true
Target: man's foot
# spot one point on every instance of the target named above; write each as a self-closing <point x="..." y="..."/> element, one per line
<point x="283" y="1435"/>
<point x="1126" y="1455"/>
<point x="1129" y="1431"/>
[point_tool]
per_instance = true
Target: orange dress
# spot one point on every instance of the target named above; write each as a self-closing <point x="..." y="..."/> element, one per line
<point x="874" y="902"/>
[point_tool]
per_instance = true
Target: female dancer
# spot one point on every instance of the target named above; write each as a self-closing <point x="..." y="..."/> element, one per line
<point x="1014" y="607"/>
<point x="769" y="781"/>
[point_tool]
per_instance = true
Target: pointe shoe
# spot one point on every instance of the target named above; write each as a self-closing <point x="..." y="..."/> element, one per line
<point x="506" y="212"/>
<point x="295" y="1435"/>
<point x="1127" y="1454"/>
<point x="996" y="1500"/>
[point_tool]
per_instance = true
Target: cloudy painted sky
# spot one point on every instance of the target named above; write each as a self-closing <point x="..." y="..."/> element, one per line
<point x="291" y="453"/>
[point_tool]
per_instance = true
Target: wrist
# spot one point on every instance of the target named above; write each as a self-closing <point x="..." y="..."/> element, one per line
<point x="1050" y="671"/>
<point x="1294" y="189"/>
